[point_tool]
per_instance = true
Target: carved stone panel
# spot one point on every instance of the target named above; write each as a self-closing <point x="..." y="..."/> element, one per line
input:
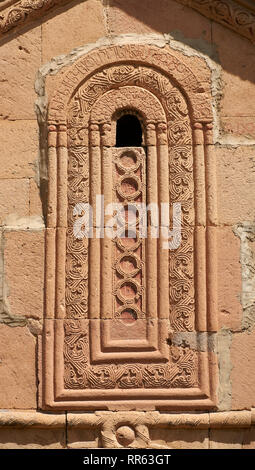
<point x="129" y="240"/>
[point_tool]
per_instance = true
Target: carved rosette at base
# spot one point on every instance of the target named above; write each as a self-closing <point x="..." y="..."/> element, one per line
<point x="151" y="430"/>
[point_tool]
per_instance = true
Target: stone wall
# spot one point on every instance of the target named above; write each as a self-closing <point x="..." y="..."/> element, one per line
<point x="34" y="56"/>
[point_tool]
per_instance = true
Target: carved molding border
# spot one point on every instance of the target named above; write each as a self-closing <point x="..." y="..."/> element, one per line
<point x="69" y="123"/>
<point x="36" y="419"/>
<point x="237" y="15"/>
<point x="132" y="429"/>
<point x="21" y="12"/>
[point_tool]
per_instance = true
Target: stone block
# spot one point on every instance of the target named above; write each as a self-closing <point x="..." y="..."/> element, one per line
<point x="242" y="374"/>
<point x="32" y="438"/>
<point x="226" y="438"/>
<point x="249" y="438"/>
<point x="229" y="279"/>
<point x="17" y="368"/>
<point x="24" y="272"/>
<point x="20" y="59"/>
<point x="238" y="71"/>
<point x="84" y="22"/>
<point x="238" y="127"/>
<point x="83" y="438"/>
<point x="180" y="438"/>
<point x="140" y="17"/>
<point x="35" y="203"/>
<point x="18" y="149"/>
<point x="236" y="183"/>
<point x="14" y="197"/>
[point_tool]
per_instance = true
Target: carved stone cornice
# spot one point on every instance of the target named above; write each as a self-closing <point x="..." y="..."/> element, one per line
<point x="238" y="15"/>
<point x="136" y="432"/>
<point x="35" y="419"/>
<point x="17" y="13"/>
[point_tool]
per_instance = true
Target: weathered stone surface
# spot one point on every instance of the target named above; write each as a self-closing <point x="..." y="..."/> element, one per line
<point x="242" y="374"/>
<point x="18" y="149"/>
<point x="24" y="272"/>
<point x="226" y="439"/>
<point x="229" y="279"/>
<point x="245" y="231"/>
<point x="83" y="438"/>
<point x="85" y="23"/>
<point x="14" y="197"/>
<point x="237" y="72"/>
<point x="17" y="368"/>
<point x="133" y="17"/>
<point x="20" y="59"/>
<point x="236" y="183"/>
<point x="180" y="438"/>
<point x="238" y="127"/>
<point x="31" y="419"/>
<point x="32" y="439"/>
<point x="230" y="419"/>
<point x="35" y="203"/>
<point x="249" y="438"/>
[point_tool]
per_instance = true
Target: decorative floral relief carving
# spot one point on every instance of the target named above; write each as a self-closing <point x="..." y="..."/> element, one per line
<point x="180" y="167"/>
<point x="77" y="249"/>
<point x="145" y="77"/>
<point x="104" y="356"/>
<point x="25" y="9"/>
<point x="180" y="372"/>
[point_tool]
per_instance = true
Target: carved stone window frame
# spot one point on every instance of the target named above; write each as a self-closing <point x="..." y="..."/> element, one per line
<point x="188" y="90"/>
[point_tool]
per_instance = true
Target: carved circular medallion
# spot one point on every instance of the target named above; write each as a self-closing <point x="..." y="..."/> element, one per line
<point x="128" y="240"/>
<point x="128" y="291"/>
<point x="129" y="161"/>
<point x="128" y="316"/>
<point x="129" y="187"/>
<point x="128" y="265"/>
<point x="125" y="435"/>
<point x="132" y="214"/>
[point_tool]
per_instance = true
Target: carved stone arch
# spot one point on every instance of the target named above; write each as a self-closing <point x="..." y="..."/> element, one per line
<point x="171" y="99"/>
<point x="132" y="98"/>
<point x="129" y="97"/>
<point x="93" y="357"/>
<point x="193" y="83"/>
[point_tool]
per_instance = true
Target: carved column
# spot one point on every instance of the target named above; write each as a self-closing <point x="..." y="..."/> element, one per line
<point x="51" y="222"/>
<point x="151" y="243"/>
<point x="200" y="229"/>
<point x="212" y="220"/>
<point x="62" y="161"/>
<point x="94" y="242"/>
<point x="163" y="197"/>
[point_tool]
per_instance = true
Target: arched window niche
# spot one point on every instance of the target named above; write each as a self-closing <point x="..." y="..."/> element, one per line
<point x="124" y="315"/>
<point x="129" y="130"/>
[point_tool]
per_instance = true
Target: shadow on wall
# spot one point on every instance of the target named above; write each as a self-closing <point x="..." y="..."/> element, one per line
<point x="186" y="25"/>
<point x="233" y="52"/>
<point x="183" y="23"/>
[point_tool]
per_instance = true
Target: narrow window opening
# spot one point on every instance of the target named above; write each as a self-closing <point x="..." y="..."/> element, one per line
<point x="129" y="132"/>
